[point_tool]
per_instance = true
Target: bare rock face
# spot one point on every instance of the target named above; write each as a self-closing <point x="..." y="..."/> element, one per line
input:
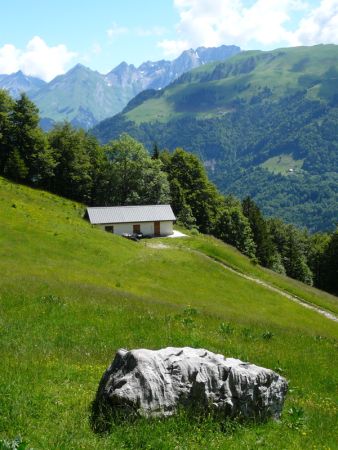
<point x="157" y="383"/>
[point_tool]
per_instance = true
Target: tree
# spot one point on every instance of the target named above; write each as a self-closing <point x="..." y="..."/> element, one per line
<point x="156" y="152"/>
<point x="292" y="244"/>
<point x="178" y="201"/>
<point x="330" y="265"/>
<point x="186" y="218"/>
<point x="6" y="107"/>
<point x="189" y="186"/>
<point x="29" y="142"/>
<point x="233" y="228"/>
<point x="98" y="171"/>
<point x="73" y="176"/>
<point x="295" y="261"/>
<point x="133" y="177"/>
<point x="265" y="249"/>
<point x="15" y="167"/>
<point x="318" y="244"/>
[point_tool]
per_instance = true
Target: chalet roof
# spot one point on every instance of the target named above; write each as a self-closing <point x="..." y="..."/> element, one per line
<point x="130" y="214"/>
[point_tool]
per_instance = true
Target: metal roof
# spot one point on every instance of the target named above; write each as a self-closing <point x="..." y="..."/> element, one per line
<point x="129" y="214"/>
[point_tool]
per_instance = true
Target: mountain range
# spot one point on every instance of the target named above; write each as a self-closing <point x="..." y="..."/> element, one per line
<point x="264" y="123"/>
<point x="19" y="82"/>
<point x="85" y="97"/>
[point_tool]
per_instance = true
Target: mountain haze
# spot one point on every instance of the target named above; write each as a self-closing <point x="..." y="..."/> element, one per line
<point x="81" y="96"/>
<point x="263" y="122"/>
<point x="85" y="97"/>
<point x="19" y="82"/>
<point x="157" y="75"/>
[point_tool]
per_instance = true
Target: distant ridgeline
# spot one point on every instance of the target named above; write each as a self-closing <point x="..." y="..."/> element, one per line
<point x="84" y="97"/>
<point x="71" y="163"/>
<point x="264" y="124"/>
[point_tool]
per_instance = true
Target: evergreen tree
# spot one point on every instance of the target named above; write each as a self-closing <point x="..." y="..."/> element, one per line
<point x="233" y="228"/>
<point x="292" y="244"/>
<point x="29" y="141"/>
<point x="265" y="249"/>
<point x="277" y="264"/>
<point x="330" y="265"/>
<point x="156" y="152"/>
<point x="6" y="107"/>
<point x="318" y="244"/>
<point x="295" y="262"/>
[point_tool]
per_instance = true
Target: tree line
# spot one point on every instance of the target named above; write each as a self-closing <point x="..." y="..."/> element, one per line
<point x="252" y="133"/>
<point x="70" y="162"/>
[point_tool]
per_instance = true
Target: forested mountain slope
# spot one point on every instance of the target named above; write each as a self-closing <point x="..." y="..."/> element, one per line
<point x="263" y="122"/>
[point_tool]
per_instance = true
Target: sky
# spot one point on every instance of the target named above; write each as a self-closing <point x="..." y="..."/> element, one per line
<point x="45" y="38"/>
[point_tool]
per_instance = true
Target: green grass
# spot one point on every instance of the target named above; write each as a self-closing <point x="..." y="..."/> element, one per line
<point x="283" y="71"/>
<point x="157" y="109"/>
<point x="282" y="164"/>
<point x="216" y="249"/>
<point x="70" y="295"/>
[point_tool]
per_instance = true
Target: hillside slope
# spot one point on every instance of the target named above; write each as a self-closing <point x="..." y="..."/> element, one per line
<point x="71" y="295"/>
<point x="263" y="122"/>
<point x="84" y="97"/>
<point x="80" y="96"/>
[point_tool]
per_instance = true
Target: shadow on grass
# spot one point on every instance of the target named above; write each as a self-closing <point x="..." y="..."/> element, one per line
<point x="105" y="417"/>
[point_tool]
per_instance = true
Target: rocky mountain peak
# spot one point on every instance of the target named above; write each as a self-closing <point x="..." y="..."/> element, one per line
<point x="124" y="82"/>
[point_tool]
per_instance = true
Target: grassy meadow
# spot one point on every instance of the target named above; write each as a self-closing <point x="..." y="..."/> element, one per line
<point x="283" y="71"/>
<point x="282" y="164"/>
<point x="71" y="295"/>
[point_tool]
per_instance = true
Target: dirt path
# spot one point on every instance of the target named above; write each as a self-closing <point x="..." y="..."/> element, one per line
<point x="291" y="297"/>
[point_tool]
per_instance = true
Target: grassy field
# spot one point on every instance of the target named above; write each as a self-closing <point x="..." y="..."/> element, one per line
<point x="282" y="164"/>
<point x="70" y="295"/>
<point x="217" y="250"/>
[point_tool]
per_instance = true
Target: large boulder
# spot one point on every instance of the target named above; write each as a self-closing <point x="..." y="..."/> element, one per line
<point x="157" y="383"/>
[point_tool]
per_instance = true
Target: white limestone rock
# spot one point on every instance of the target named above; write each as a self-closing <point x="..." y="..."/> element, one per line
<point x="156" y="383"/>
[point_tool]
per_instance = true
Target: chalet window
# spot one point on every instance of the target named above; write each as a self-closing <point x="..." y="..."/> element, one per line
<point x="136" y="228"/>
<point x="109" y="228"/>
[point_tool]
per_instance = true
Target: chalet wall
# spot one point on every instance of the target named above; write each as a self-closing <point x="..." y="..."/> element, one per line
<point x="147" y="228"/>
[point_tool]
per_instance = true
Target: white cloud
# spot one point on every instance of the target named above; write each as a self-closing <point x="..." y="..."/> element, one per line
<point x="262" y="24"/>
<point x="9" y="59"/>
<point x="38" y="59"/>
<point x="172" y="48"/>
<point x="320" y="25"/>
<point x="116" y="30"/>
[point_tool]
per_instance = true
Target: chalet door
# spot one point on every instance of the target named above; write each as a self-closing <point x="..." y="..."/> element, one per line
<point x="157" y="228"/>
<point x="136" y="228"/>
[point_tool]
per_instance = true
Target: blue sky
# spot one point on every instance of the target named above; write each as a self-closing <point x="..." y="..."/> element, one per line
<point x="45" y="38"/>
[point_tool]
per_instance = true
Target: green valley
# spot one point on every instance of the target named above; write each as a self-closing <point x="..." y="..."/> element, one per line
<point x="245" y="114"/>
<point x="71" y="295"/>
